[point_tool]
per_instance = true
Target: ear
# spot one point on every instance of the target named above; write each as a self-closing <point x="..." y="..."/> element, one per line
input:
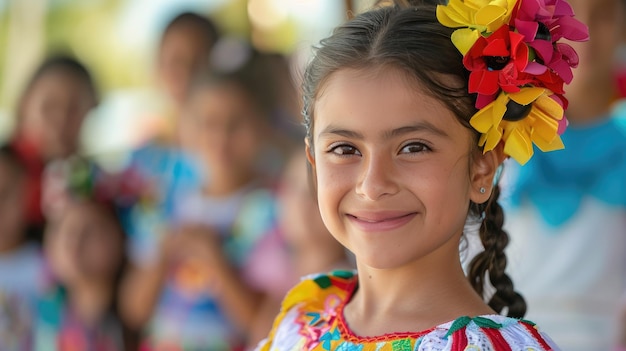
<point x="483" y="170"/>
<point x="311" y="164"/>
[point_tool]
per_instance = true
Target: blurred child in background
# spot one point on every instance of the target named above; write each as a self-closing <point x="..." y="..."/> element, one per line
<point x="297" y="246"/>
<point x="86" y="252"/>
<point x="50" y="115"/>
<point x="567" y="217"/>
<point x="21" y="266"/>
<point x="185" y="46"/>
<point x="194" y="296"/>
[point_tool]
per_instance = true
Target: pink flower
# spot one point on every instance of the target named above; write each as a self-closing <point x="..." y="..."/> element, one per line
<point x="542" y="23"/>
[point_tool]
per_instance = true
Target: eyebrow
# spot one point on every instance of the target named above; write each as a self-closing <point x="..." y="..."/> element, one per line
<point x="418" y="127"/>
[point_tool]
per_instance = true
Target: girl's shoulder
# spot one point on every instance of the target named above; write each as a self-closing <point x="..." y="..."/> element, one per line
<point x="311" y="318"/>
<point x="314" y="289"/>
<point x="490" y="332"/>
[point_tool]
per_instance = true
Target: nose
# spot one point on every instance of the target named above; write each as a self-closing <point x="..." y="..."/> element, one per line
<point x="377" y="178"/>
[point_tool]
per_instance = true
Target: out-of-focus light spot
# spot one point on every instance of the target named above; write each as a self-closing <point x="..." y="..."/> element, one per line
<point x="268" y="13"/>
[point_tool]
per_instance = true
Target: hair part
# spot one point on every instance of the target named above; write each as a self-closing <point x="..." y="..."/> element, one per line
<point x="407" y="36"/>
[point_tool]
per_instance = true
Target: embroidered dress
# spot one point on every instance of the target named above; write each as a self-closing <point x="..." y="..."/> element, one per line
<point x="312" y="319"/>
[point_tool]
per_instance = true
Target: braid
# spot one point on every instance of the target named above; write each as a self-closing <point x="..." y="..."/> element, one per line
<point x="492" y="261"/>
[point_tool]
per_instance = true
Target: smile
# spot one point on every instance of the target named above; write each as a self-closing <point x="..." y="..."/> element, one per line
<point x="380" y="222"/>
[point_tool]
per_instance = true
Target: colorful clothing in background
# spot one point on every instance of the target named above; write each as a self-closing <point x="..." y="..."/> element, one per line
<point x="167" y="173"/>
<point x="566" y="215"/>
<point x="58" y="329"/>
<point x="22" y="281"/>
<point x="188" y="316"/>
<point x="312" y="319"/>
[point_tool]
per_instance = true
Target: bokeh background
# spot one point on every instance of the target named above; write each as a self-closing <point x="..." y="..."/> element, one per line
<point x="118" y="39"/>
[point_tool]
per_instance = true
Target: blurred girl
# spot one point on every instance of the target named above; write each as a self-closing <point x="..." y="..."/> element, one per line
<point x="299" y="245"/>
<point x="194" y="297"/>
<point x="85" y="249"/>
<point x="50" y="115"/>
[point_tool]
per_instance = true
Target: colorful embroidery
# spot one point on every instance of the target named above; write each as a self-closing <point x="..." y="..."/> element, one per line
<point x="315" y="309"/>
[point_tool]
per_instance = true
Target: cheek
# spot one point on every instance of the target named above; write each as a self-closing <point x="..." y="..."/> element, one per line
<point x="102" y="256"/>
<point x="333" y="184"/>
<point x="446" y="193"/>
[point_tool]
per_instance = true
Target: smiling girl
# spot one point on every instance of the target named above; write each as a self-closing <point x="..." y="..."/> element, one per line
<point x="394" y="142"/>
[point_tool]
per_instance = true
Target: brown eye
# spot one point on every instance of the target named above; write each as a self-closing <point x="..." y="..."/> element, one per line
<point x="345" y="150"/>
<point x="414" y="148"/>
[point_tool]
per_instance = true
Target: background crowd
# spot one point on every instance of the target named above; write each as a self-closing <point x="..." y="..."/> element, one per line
<point x="188" y="237"/>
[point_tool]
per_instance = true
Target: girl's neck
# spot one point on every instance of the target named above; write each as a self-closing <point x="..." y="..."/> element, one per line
<point x="411" y="298"/>
<point x="91" y="300"/>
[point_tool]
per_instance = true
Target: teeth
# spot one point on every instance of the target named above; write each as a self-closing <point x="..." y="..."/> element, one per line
<point x="368" y="221"/>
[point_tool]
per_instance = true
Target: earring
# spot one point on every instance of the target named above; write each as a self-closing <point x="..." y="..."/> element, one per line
<point x="482" y="190"/>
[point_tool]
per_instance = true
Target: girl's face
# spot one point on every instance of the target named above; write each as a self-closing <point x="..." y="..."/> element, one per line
<point x="221" y="127"/>
<point x="183" y="51"/>
<point x="53" y="111"/>
<point x="12" y="210"/>
<point x="85" y="244"/>
<point x="395" y="170"/>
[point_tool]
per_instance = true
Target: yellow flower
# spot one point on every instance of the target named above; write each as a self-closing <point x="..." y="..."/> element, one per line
<point x="474" y="17"/>
<point x="521" y="119"/>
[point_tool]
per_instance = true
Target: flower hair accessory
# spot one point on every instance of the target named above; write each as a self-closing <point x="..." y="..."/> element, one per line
<point x="517" y="68"/>
<point x="78" y="178"/>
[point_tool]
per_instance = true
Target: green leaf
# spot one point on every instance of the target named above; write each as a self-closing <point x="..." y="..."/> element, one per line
<point x="459" y="323"/>
<point x="323" y="281"/>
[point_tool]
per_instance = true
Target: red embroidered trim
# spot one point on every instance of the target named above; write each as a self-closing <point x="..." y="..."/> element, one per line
<point x="348" y="335"/>
<point x="535" y="333"/>
<point x="459" y="340"/>
<point x="497" y="340"/>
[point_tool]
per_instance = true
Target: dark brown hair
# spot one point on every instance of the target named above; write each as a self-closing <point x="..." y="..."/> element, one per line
<point x="409" y="37"/>
<point x="252" y="78"/>
<point x="65" y="64"/>
<point x="202" y="25"/>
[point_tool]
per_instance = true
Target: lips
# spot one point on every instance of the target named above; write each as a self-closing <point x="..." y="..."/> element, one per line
<point x="380" y="221"/>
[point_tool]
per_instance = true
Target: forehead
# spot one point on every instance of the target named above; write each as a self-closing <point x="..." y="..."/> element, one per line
<point x="61" y="82"/>
<point x="186" y="37"/>
<point x="379" y="98"/>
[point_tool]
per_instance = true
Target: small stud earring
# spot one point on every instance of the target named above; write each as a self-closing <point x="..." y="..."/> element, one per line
<point x="482" y="190"/>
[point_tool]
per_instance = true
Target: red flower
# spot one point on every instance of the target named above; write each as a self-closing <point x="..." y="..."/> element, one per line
<point x="497" y="63"/>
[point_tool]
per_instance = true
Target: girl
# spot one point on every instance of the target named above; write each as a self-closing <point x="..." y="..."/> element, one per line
<point x="50" y="114"/>
<point x="85" y="250"/>
<point x="394" y="141"/>
<point x="299" y="244"/>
